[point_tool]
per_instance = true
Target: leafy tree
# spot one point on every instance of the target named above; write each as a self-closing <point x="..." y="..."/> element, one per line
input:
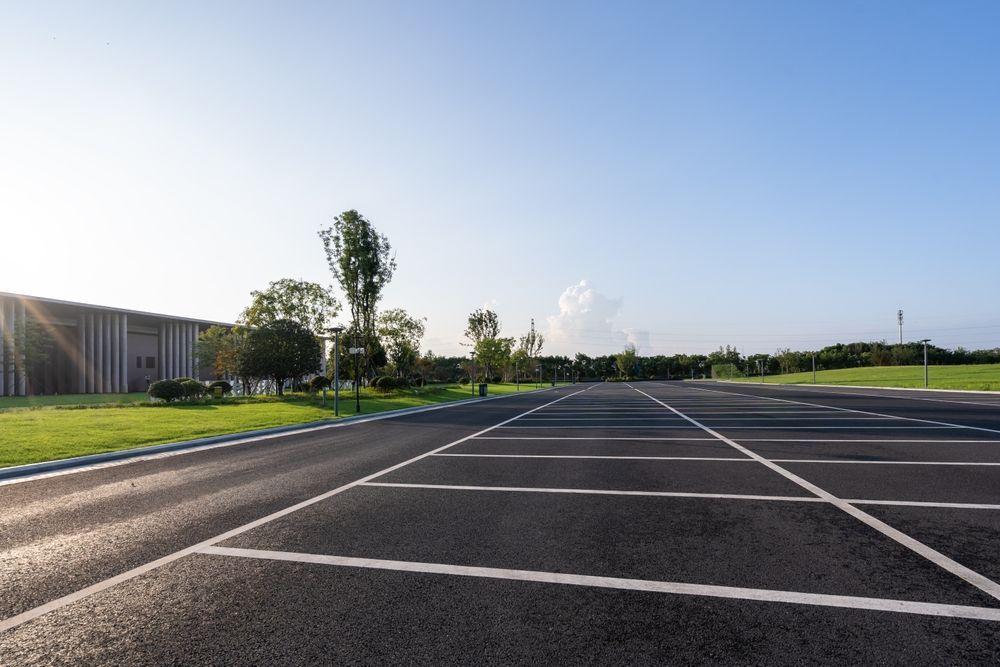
<point x="280" y="350"/>
<point x="625" y="361"/>
<point x="309" y="304"/>
<point x="220" y="348"/>
<point x="492" y="354"/>
<point x="483" y="323"/>
<point x="360" y="261"/>
<point x="400" y="334"/>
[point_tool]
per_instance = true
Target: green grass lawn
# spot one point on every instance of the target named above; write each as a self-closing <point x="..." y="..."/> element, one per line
<point x="985" y="377"/>
<point x="61" y="431"/>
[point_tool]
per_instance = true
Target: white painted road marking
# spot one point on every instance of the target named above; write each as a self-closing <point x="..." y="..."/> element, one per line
<point x="979" y="581"/>
<point x="61" y="602"/>
<point x="594" y="492"/>
<point x="644" y="585"/>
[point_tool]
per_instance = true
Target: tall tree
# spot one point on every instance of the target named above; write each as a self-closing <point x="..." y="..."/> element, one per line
<point x="280" y="350"/>
<point x="309" y="304"/>
<point x="625" y="360"/>
<point x="400" y="334"/>
<point x="483" y="323"/>
<point x="360" y="261"/>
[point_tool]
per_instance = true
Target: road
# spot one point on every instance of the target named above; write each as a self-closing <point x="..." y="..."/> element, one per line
<point x="649" y="522"/>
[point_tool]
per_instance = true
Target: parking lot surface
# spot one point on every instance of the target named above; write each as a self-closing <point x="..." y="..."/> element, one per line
<point x="598" y="523"/>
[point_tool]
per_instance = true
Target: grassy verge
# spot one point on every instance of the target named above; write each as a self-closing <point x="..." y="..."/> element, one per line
<point x="58" y="432"/>
<point x="981" y="377"/>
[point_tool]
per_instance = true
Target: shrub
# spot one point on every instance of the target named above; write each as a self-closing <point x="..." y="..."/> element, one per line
<point x="192" y="388"/>
<point x="226" y="387"/>
<point x="386" y="384"/>
<point x="166" y="390"/>
<point x="464" y="380"/>
<point x="319" y="383"/>
<point x="182" y="380"/>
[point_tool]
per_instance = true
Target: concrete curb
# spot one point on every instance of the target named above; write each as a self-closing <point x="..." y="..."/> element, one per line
<point x="860" y="386"/>
<point x="124" y="455"/>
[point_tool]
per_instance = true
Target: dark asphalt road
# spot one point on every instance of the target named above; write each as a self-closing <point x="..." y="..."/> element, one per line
<point x="604" y="483"/>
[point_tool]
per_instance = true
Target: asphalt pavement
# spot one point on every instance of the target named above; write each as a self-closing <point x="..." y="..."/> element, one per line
<point x="605" y="524"/>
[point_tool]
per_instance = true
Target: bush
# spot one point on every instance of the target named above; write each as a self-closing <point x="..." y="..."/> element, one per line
<point x="226" y="387"/>
<point x="192" y="388"/>
<point x="319" y="383"/>
<point x="166" y="390"/>
<point x="386" y="384"/>
<point x="182" y="380"/>
<point x="464" y="381"/>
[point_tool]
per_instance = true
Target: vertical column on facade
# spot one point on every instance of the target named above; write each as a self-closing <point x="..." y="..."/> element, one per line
<point x="177" y="350"/>
<point x="161" y="364"/>
<point x="168" y="343"/>
<point x="183" y="330"/>
<point x="99" y="357"/>
<point x="109" y="354"/>
<point x="11" y="349"/>
<point x="191" y="341"/>
<point x="81" y="354"/>
<point x="22" y="358"/>
<point x="90" y="353"/>
<point x="197" y="366"/>
<point x="123" y="353"/>
<point x="116" y="370"/>
<point x="3" y="348"/>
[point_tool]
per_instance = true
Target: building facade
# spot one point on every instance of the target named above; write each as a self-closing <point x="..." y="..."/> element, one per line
<point x="49" y="346"/>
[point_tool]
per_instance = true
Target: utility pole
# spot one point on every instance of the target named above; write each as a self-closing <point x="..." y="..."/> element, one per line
<point x="925" y="341"/>
<point x="899" y="318"/>
<point x="336" y="370"/>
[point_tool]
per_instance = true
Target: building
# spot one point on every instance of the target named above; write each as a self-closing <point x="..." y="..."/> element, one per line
<point x="92" y="349"/>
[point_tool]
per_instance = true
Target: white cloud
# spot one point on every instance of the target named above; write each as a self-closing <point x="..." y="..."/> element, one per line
<point x="586" y="323"/>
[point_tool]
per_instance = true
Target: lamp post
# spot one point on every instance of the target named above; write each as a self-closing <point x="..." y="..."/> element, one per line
<point x="336" y="331"/>
<point x="357" y="374"/>
<point x="517" y="378"/>
<point x="925" y="341"/>
<point x="539" y="369"/>
<point x="472" y="375"/>
<point x="814" y="368"/>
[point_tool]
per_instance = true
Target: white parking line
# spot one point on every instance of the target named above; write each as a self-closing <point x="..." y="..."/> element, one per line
<point x="861" y="412"/>
<point x="644" y="585"/>
<point x="979" y="581"/>
<point x="713" y="458"/>
<point x="588" y="456"/>
<point x="76" y="596"/>
<point x="594" y="492"/>
<point x="581" y="437"/>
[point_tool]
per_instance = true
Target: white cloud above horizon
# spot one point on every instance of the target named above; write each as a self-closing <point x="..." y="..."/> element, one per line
<point x="586" y="323"/>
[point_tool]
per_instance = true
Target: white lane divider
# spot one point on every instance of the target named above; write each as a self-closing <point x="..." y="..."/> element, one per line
<point x="971" y="576"/>
<point x="644" y="585"/>
<point x="58" y="603"/>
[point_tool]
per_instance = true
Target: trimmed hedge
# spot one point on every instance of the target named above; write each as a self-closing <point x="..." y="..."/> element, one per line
<point x="166" y="390"/>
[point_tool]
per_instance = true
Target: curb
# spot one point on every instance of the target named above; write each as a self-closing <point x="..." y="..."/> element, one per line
<point x="860" y="386"/>
<point x="124" y="455"/>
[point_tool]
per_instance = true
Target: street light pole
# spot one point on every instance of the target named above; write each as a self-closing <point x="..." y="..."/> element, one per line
<point x="814" y="368"/>
<point x="517" y="377"/>
<point x="472" y="379"/>
<point x="925" y="341"/>
<point x="336" y="369"/>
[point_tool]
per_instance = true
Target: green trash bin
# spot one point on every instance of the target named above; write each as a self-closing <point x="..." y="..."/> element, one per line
<point x="482" y="389"/>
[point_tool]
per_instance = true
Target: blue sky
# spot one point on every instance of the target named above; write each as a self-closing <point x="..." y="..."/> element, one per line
<point x="683" y="175"/>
